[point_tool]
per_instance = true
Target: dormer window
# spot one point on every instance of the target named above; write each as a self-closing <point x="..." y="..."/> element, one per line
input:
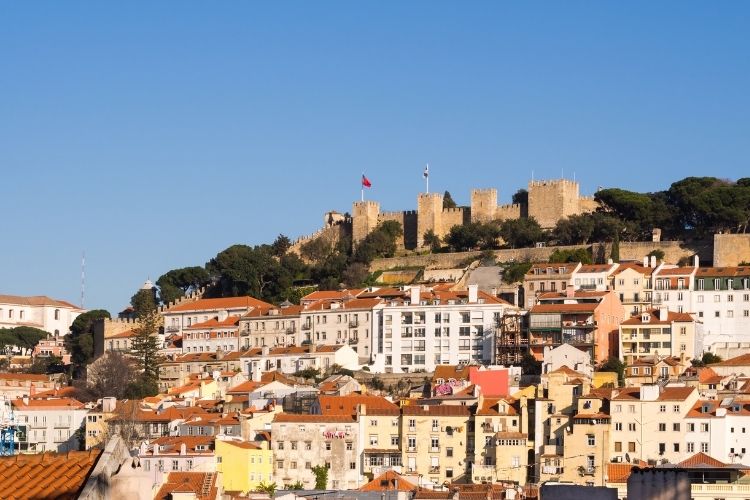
<point x="645" y="318"/>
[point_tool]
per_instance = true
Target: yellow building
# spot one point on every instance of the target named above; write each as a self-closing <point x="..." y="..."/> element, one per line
<point x="243" y="465"/>
<point x="586" y="446"/>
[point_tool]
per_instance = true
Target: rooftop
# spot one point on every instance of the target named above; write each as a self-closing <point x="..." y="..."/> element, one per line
<point x="46" y="475"/>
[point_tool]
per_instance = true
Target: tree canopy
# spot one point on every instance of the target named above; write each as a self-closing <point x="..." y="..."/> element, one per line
<point x="519" y="233"/>
<point x="80" y="341"/>
<point x="177" y="282"/>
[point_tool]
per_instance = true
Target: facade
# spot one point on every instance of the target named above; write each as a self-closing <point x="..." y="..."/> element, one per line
<point x="587" y="442"/>
<point x="632" y="282"/>
<point x="593" y="276"/>
<point x="243" y="465"/>
<point x="720" y="429"/>
<point x="301" y="442"/>
<point x="296" y="358"/>
<point x="39" y="311"/>
<point x="51" y="424"/>
<point x="189" y="313"/>
<point x="17" y="385"/>
<point x="659" y="332"/>
<point x="722" y="303"/>
<point x="588" y="320"/>
<point x="648" y="422"/>
<point x="428" y="328"/>
<point x="216" y="334"/>
<point x="543" y="278"/>
<point x="673" y="286"/>
<point x="166" y="455"/>
<point x="271" y="327"/>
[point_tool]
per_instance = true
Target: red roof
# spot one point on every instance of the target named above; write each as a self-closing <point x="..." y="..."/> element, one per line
<point x="46" y="475"/>
<point x="347" y="405"/>
<point x="219" y="304"/>
<point x="36" y="300"/>
<point x="228" y="322"/>
<point x="202" y="484"/>
<point x="389" y="481"/>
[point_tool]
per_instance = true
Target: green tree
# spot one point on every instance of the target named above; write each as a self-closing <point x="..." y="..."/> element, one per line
<point x="582" y="255"/>
<point x="281" y="245"/>
<point x="242" y="270"/>
<point x="519" y="233"/>
<point x="521" y="197"/>
<point x="47" y="364"/>
<point x="574" y="230"/>
<point x="316" y="250"/>
<point x="355" y="274"/>
<point x="432" y="240"/>
<point x="321" y="477"/>
<point x="269" y="488"/>
<point x="448" y="201"/>
<point x="463" y="237"/>
<point x="178" y="282"/>
<point x="143" y="302"/>
<point x="297" y="485"/>
<point x="530" y="365"/>
<point x="24" y="338"/>
<point x="513" y="272"/>
<point x="658" y="253"/>
<point x="80" y="342"/>
<point x="613" y="364"/>
<point x="145" y="345"/>
<point x="710" y="358"/>
<point x="379" y="243"/>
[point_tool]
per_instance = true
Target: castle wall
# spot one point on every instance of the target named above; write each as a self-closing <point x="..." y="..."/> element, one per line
<point x="454" y="217"/>
<point x="429" y="215"/>
<point x="483" y="205"/>
<point x="333" y="234"/>
<point x="731" y="249"/>
<point x="396" y="217"/>
<point x="505" y="212"/>
<point x="587" y="204"/>
<point x="551" y="200"/>
<point x="364" y="219"/>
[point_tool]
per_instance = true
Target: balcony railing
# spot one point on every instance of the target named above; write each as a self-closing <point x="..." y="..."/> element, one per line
<point x="306" y="326"/>
<point x="291" y="330"/>
<point x="354" y="324"/>
<point x="353" y="341"/>
<point x="172" y="328"/>
<point x="434" y="469"/>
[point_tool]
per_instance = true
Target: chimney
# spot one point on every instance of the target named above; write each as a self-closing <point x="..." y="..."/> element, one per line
<point x="610" y="261"/>
<point x="663" y="313"/>
<point x="256" y="372"/>
<point x="32" y="389"/>
<point x="649" y="392"/>
<point x="696" y="261"/>
<point x="313" y="347"/>
<point x="414" y="295"/>
<point x="265" y="350"/>
<point x="26" y="399"/>
<point x="473" y="292"/>
<point x="645" y="261"/>
<point x="108" y="404"/>
<point x="223" y="315"/>
<point x="183" y="449"/>
<point x="219" y="354"/>
<point x="653" y="261"/>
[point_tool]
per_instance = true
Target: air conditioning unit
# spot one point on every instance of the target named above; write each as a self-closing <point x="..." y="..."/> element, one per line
<point x="617" y="459"/>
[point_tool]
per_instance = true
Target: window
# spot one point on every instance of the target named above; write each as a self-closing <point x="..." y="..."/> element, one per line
<point x="704" y="447"/>
<point x="662" y="448"/>
<point x="590" y="439"/>
<point x="293" y="445"/>
<point x="662" y="427"/>
<point x="631" y="446"/>
<point x="328" y="446"/>
<point x="704" y="427"/>
<point x="618" y="446"/>
<point x="280" y="445"/>
<point x="691" y="427"/>
<point x="631" y="427"/>
<point x="293" y="465"/>
<point x="308" y="445"/>
<point x="618" y="426"/>
<point x="676" y="408"/>
<point x="691" y="447"/>
<point x="373" y="439"/>
<point x="175" y="465"/>
<point x="353" y="465"/>
<point x="412" y="443"/>
<point x="349" y="445"/>
<point x="662" y="408"/>
<point x="394" y="441"/>
<point x="448" y="452"/>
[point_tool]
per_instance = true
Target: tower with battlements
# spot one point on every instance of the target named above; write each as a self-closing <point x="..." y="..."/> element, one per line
<point x="552" y="200"/>
<point x="364" y="219"/>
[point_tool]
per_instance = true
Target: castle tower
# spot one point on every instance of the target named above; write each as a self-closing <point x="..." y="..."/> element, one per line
<point x="552" y="200"/>
<point x="483" y="205"/>
<point x="429" y="215"/>
<point x="364" y="219"/>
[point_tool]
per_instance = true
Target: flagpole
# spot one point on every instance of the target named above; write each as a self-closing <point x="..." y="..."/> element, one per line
<point x="427" y="178"/>
<point x="362" y="187"/>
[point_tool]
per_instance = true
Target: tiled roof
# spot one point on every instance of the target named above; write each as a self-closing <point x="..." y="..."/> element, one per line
<point x="172" y="444"/>
<point x="726" y="272"/>
<point x="389" y="481"/>
<point x="347" y="405"/>
<point x="666" y="394"/>
<point x="332" y="294"/>
<point x="741" y="360"/>
<point x="46" y="475"/>
<point x="437" y="410"/>
<point x="564" y="308"/>
<point x="565" y="369"/>
<point x="283" y="312"/>
<point x="348" y="305"/>
<point x="619" y="473"/>
<point x="672" y="316"/>
<point x="701" y="460"/>
<point x="36" y="300"/>
<point x="567" y="267"/>
<point x="202" y="484"/>
<point x="229" y="322"/>
<point x="447" y="372"/>
<point x="490" y="407"/>
<point x="635" y="267"/>
<point x="676" y="271"/>
<point x="595" y="268"/>
<point x="245" y="445"/>
<point x="323" y="419"/>
<point x="122" y="335"/>
<point x="218" y="304"/>
<point x="578" y="294"/>
<point x="46" y="404"/>
<point x="24" y="376"/>
<point x="706" y="375"/>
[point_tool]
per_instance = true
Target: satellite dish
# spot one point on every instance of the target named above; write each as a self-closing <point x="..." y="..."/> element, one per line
<point x="627" y="457"/>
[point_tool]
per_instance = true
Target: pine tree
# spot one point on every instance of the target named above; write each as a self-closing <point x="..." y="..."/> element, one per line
<point x="145" y="346"/>
<point x="615" y="252"/>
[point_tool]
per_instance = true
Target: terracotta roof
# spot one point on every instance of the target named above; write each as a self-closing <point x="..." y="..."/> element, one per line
<point x="321" y="419"/>
<point x="45" y="404"/>
<point x="676" y="271"/>
<point x="490" y="406"/>
<point x="595" y="268"/>
<point x="672" y="316"/>
<point x="24" y="376"/>
<point x="218" y="304"/>
<point x="568" y="268"/>
<point x="666" y="394"/>
<point x="437" y="410"/>
<point x="46" y="475"/>
<point x="389" y="481"/>
<point x="283" y="312"/>
<point x="578" y="294"/>
<point x="202" y="484"/>
<point x="347" y="305"/>
<point x="619" y="473"/>
<point x="172" y="444"/>
<point x="567" y="371"/>
<point x="245" y="445"/>
<point x="635" y="267"/>
<point x="36" y="300"/>
<point x="332" y="294"/>
<point x="229" y="322"/>
<point x="67" y="392"/>
<point x="726" y="272"/>
<point x="564" y="308"/>
<point x="741" y="360"/>
<point x="706" y="375"/>
<point x="447" y="372"/>
<point x="701" y="460"/>
<point x="347" y="405"/>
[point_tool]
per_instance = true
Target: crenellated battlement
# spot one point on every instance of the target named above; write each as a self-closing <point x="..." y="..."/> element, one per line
<point x="457" y="210"/>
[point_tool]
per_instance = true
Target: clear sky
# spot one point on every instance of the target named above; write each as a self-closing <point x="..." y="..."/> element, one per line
<point x="153" y="135"/>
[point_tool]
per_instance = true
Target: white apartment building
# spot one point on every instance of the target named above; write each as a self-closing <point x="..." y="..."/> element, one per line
<point x="426" y="328"/>
<point x="672" y="287"/>
<point x="274" y="327"/>
<point x="212" y="335"/>
<point x="51" y="315"/>
<point x="177" y="454"/>
<point x="292" y="359"/>
<point x="593" y="276"/>
<point x="48" y="424"/>
<point x="721" y="301"/>
<point x="659" y="332"/>
<point x="189" y="313"/>
<point x="720" y="429"/>
<point x="648" y="422"/>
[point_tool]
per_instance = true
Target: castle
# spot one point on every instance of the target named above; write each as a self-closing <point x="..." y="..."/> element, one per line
<point x="548" y="202"/>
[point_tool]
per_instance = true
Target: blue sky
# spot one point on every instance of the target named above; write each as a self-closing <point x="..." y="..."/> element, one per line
<point x="153" y="135"/>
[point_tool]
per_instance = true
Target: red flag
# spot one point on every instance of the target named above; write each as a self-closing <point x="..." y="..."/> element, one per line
<point x="366" y="182"/>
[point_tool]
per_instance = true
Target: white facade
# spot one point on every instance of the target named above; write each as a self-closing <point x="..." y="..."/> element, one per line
<point x="592" y="276"/>
<point x="50" y="424"/>
<point x="719" y="430"/>
<point x="435" y="328"/>
<point x="293" y="359"/>
<point x="50" y="315"/>
<point x="186" y="314"/>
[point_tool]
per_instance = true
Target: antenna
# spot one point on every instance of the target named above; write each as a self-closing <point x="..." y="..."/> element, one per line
<point x="83" y="279"/>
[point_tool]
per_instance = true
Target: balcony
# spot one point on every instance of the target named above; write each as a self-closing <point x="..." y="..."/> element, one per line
<point x="306" y="326"/>
<point x="434" y="469"/>
<point x="434" y="449"/>
<point x="353" y="341"/>
<point x="172" y="328"/>
<point x="354" y="324"/>
<point x="291" y="330"/>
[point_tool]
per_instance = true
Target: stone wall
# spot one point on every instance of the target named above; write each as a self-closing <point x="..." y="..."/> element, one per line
<point x="430" y="215"/>
<point x="364" y="219"/>
<point x="505" y="212"/>
<point x="483" y="205"/>
<point x="551" y="200"/>
<point x="454" y="217"/>
<point x="332" y="234"/>
<point x="731" y="249"/>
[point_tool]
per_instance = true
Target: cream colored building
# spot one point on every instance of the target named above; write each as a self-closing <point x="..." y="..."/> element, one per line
<point x="51" y="315"/>
<point x="659" y="332"/>
<point x="633" y="284"/>
<point x="382" y="439"/>
<point x="438" y="442"/>
<point x="271" y="327"/>
<point x="648" y="422"/>
<point x="587" y="443"/>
